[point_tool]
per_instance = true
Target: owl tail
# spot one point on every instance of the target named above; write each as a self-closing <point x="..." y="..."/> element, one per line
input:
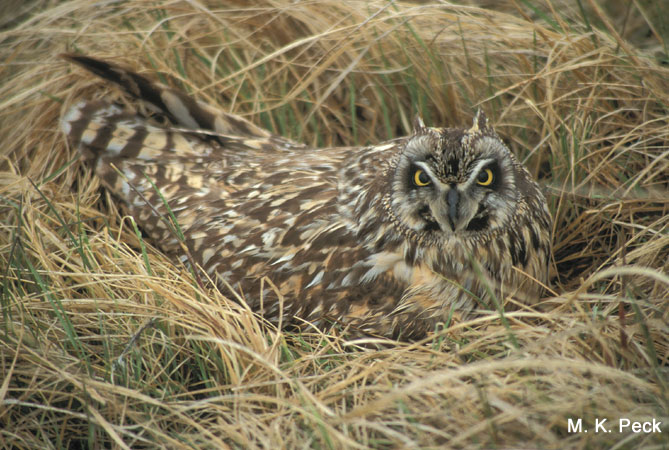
<point x="103" y="130"/>
<point x="180" y="108"/>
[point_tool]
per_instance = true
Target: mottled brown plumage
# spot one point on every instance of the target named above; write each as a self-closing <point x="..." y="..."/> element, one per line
<point x="388" y="240"/>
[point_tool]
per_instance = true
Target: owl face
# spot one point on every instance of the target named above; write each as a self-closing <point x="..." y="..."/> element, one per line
<point x="450" y="182"/>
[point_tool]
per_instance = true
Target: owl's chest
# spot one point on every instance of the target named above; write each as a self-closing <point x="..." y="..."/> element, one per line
<point x="438" y="276"/>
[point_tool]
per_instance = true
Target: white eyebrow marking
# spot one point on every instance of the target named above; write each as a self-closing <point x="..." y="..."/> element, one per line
<point x="436" y="182"/>
<point x="477" y="168"/>
<point x="427" y="169"/>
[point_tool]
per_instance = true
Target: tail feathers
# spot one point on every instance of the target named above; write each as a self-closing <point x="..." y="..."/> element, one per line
<point x="103" y="130"/>
<point x="176" y="105"/>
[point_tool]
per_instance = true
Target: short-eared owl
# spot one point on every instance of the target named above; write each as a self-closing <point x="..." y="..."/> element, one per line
<point x="386" y="240"/>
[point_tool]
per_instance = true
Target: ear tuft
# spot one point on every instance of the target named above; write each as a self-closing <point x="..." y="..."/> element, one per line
<point x="480" y="124"/>
<point x="418" y="124"/>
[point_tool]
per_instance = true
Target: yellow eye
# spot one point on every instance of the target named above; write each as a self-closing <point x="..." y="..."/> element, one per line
<point x="420" y="178"/>
<point x="485" y="177"/>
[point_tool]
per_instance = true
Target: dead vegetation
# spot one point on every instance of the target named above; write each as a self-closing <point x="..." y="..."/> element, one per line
<point x="106" y="343"/>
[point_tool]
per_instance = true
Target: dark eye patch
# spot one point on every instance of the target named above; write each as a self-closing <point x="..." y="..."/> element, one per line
<point x="496" y="175"/>
<point x="418" y="178"/>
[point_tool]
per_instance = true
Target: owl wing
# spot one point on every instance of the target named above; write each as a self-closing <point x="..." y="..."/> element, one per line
<point x="266" y="223"/>
<point x="261" y="214"/>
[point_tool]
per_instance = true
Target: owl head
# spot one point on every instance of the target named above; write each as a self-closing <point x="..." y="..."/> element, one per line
<point x="449" y="183"/>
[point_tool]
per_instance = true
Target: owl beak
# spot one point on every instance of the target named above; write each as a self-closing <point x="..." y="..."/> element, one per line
<point x="452" y="199"/>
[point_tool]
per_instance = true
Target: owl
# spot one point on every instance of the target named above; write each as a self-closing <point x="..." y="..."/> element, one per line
<point x="387" y="240"/>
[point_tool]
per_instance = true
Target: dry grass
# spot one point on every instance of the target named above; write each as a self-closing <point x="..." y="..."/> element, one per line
<point x="106" y="343"/>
